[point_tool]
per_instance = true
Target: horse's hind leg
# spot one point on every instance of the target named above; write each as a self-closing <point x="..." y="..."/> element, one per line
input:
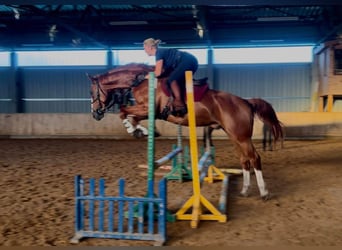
<point x="251" y="158"/>
<point x="261" y="184"/>
<point x="246" y="175"/>
<point x="207" y="136"/>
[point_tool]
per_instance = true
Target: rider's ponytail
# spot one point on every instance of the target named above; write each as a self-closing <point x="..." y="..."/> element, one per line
<point x="152" y="42"/>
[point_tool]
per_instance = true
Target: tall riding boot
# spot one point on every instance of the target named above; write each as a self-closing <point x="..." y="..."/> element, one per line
<point x="179" y="108"/>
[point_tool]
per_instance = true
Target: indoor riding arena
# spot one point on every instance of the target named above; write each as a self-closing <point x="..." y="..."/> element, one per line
<point x="68" y="179"/>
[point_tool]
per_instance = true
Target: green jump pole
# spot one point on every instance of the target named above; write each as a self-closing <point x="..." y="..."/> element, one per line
<point x="150" y="140"/>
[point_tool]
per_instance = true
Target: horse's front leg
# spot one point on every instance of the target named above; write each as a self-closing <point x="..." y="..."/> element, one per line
<point x="140" y="130"/>
<point x="134" y="127"/>
<point x="138" y="112"/>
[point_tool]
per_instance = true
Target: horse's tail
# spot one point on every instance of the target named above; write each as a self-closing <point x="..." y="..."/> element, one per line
<point x="268" y="116"/>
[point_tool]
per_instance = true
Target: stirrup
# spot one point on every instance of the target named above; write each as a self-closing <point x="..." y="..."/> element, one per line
<point x="179" y="111"/>
<point x="164" y="114"/>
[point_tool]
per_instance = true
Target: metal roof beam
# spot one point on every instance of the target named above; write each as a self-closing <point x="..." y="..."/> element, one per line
<point x="60" y="22"/>
<point x="180" y="2"/>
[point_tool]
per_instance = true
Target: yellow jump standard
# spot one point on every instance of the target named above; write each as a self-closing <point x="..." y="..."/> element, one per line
<point x="197" y="201"/>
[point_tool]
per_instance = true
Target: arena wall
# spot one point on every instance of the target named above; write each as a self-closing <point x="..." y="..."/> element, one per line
<point x="297" y="125"/>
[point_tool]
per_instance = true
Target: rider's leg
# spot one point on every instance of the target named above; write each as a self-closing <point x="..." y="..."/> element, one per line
<point x="178" y="104"/>
<point x="176" y="94"/>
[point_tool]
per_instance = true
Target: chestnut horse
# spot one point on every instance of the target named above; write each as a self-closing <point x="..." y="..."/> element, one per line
<point x="233" y="114"/>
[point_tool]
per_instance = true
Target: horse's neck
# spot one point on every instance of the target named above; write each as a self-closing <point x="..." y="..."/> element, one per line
<point x="122" y="77"/>
<point x="117" y="80"/>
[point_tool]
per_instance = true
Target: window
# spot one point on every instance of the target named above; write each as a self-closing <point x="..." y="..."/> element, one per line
<point x="300" y="54"/>
<point x="200" y="54"/>
<point x="62" y="58"/>
<point x="122" y="57"/>
<point x="5" y="60"/>
<point x="263" y="55"/>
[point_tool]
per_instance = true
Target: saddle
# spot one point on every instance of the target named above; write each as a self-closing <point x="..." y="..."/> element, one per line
<point x="201" y="81"/>
<point x="200" y="88"/>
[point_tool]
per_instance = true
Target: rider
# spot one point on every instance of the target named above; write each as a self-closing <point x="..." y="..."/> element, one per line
<point x="172" y="63"/>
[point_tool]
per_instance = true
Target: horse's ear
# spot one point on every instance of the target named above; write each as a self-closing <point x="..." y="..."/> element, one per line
<point x="90" y="76"/>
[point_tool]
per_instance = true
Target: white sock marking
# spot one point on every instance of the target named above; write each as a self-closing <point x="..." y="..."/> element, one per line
<point x="143" y="129"/>
<point x="128" y="125"/>
<point x="246" y="181"/>
<point x="261" y="183"/>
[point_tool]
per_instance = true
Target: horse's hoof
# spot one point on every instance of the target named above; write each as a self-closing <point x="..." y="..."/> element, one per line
<point x="244" y="195"/>
<point x="138" y="133"/>
<point x="266" y="197"/>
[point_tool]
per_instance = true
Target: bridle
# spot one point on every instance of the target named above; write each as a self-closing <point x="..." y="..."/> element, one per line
<point x="102" y="106"/>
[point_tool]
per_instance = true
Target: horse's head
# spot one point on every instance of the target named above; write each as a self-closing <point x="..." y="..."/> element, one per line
<point x="123" y="77"/>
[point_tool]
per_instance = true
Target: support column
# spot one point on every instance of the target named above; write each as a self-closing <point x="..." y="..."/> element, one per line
<point x="18" y="85"/>
<point x="210" y="70"/>
<point x="109" y="59"/>
<point x="321" y="104"/>
<point x="330" y="103"/>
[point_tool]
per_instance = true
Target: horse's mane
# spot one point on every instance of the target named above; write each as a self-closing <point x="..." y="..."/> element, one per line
<point x="124" y="74"/>
<point x="131" y="67"/>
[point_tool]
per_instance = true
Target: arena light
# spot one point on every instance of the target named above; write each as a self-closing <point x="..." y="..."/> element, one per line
<point x="118" y="23"/>
<point x="37" y="44"/>
<point x="16" y="13"/>
<point x="267" y="41"/>
<point x="277" y="18"/>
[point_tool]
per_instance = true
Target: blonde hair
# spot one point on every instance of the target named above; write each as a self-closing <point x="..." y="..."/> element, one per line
<point x="152" y="42"/>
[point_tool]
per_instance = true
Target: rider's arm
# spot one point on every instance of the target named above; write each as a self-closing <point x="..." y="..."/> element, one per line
<point x="159" y="68"/>
<point x="158" y="71"/>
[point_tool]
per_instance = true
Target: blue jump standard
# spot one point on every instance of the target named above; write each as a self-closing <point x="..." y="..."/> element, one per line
<point x="101" y="216"/>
